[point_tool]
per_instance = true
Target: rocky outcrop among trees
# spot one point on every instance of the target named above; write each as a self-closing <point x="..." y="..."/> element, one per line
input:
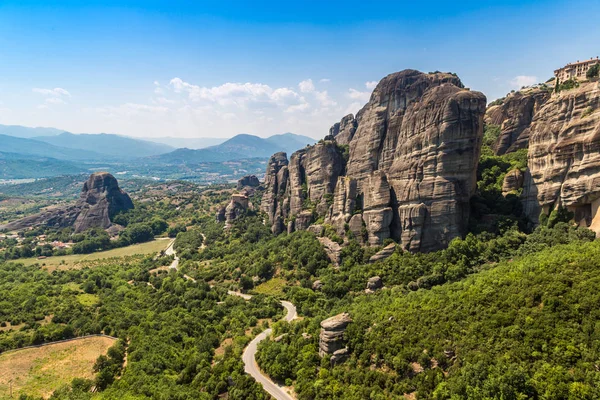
<point x="331" y="338"/>
<point x="100" y="200"/>
<point x="404" y="167"/>
<point x="250" y="181"/>
<point x="238" y="205"/>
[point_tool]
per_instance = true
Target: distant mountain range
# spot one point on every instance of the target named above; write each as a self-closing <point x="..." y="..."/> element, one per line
<point x="188" y="143"/>
<point x="115" y="146"/>
<point x="36" y="152"/>
<point x="238" y="147"/>
<point x="32" y="147"/>
<point x="27" y="132"/>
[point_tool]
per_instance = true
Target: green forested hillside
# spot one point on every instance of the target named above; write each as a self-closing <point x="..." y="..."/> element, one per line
<point x="525" y="328"/>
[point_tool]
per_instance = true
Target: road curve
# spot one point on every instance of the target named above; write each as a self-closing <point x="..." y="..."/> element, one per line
<point x="249" y="358"/>
<point x="171" y="251"/>
<point x="249" y="355"/>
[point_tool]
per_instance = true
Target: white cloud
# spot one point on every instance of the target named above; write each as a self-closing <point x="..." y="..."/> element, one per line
<point x="306" y="86"/>
<point x="324" y="99"/>
<point x="353" y="108"/>
<point x="56" y="92"/>
<point x="242" y="95"/>
<point x="371" y="85"/>
<point x="523" y="80"/>
<point x="182" y="108"/>
<point x="55" y="100"/>
<point x="325" y="80"/>
<point x="163" y="100"/>
<point x="358" y="95"/>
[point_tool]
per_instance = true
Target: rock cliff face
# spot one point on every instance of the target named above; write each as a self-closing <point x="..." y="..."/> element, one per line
<point x="275" y="202"/>
<point x="564" y="156"/>
<point x="100" y="199"/>
<point x="413" y="152"/>
<point x="514" y="116"/>
<point x="344" y="131"/>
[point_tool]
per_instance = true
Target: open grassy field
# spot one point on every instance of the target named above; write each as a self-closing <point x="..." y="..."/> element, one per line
<point x="272" y="287"/>
<point x="73" y="260"/>
<point x="40" y="371"/>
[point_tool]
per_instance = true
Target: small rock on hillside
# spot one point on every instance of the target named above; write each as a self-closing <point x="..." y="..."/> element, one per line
<point x="248" y="181"/>
<point x="331" y="338"/>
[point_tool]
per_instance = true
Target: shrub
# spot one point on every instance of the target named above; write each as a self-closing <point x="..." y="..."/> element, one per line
<point x="593" y="72"/>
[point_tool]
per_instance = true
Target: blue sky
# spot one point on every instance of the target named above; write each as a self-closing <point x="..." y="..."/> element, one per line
<point x="215" y="69"/>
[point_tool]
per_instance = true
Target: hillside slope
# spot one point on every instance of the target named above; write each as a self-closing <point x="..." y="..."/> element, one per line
<point x="109" y="144"/>
<point x="18" y="166"/>
<point x="31" y="147"/>
<point x="27" y="132"/>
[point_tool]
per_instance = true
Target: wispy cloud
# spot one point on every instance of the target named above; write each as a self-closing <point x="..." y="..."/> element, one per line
<point x="53" y="96"/>
<point x="358" y="95"/>
<point x="371" y="84"/>
<point x="523" y="80"/>
<point x="56" y="92"/>
<point x="324" y="80"/>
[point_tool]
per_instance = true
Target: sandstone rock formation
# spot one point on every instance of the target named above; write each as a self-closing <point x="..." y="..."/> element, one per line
<point x="514" y="116"/>
<point x="410" y="172"/>
<point x="332" y="249"/>
<point x="331" y="337"/>
<point x="513" y="181"/>
<point x="275" y="201"/>
<point x="339" y="356"/>
<point x="100" y="200"/>
<point x="564" y="156"/>
<point x="248" y="181"/>
<point x="238" y="205"/>
<point x="386" y="252"/>
<point x="344" y="131"/>
<point x="374" y="283"/>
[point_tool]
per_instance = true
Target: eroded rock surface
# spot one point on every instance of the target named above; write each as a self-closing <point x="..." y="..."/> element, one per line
<point x="513" y="181"/>
<point x="331" y="338"/>
<point x="410" y="172"/>
<point x="344" y="131"/>
<point x="564" y="156"/>
<point x="100" y="200"/>
<point x="514" y="116"/>
<point x="248" y="181"/>
<point x="386" y="252"/>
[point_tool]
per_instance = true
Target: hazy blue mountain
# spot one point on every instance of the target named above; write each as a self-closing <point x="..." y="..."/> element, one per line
<point x="27" y="132"/>
<point x="19" y="166"/>
<point x="290" y="142"/>
<point x="188" y="143"/>
<point x="238" y="147"/>
<point x="32" y="147"/>
<point x="115" y="146"/>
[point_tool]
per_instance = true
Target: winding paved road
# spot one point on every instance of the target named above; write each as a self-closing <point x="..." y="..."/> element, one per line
<point x="249" y="356"/>
<point x="250" y="367"/>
